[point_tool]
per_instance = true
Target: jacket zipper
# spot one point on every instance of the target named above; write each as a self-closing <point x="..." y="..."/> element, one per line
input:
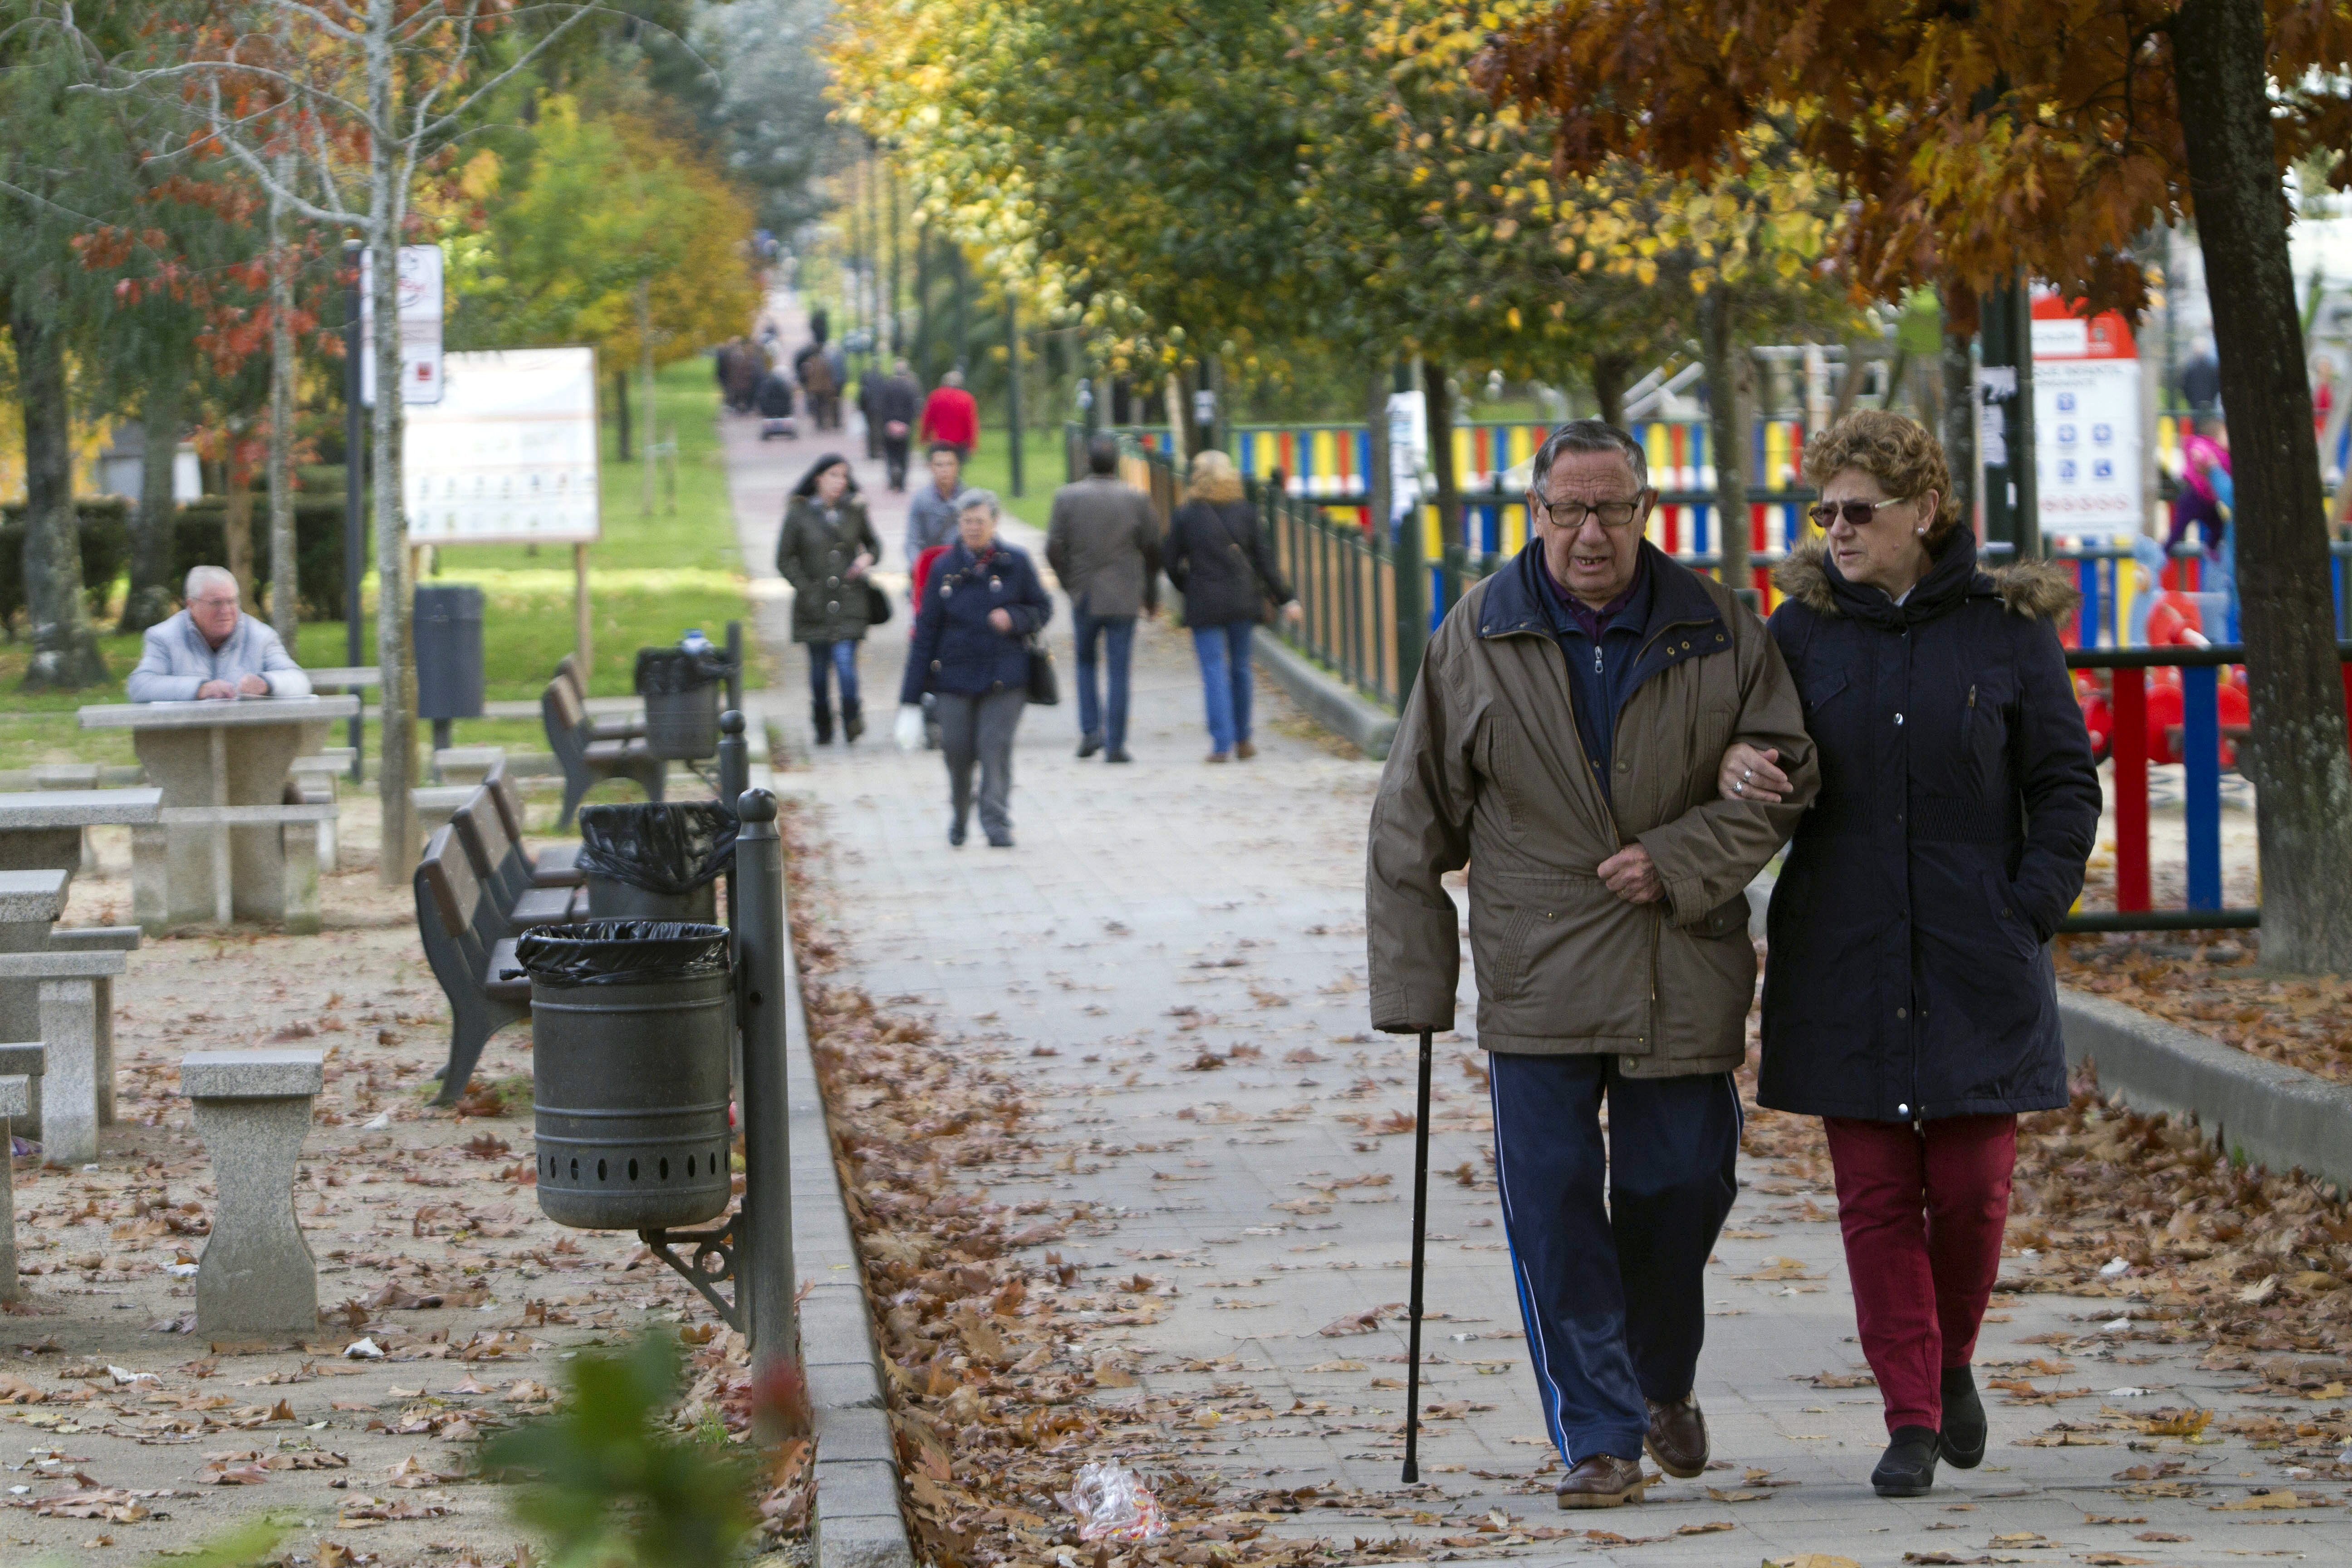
<point x="1657" y="913"/>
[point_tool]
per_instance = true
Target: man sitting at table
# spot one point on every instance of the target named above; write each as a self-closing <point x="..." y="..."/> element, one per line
<point x="212" y="648"/>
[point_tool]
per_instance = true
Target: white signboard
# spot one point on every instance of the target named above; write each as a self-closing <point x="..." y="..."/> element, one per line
<point x="2086" y="392"/>
<point x="508" y="455"/>
<point x="418" y="292"/>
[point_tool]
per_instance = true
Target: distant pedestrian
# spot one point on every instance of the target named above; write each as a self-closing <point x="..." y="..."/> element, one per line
<point x="745" y="365"/>
<point x="1221" y="562"/>
<point x="870" y="394"/>
<point x="2200" y="378"/>
<point x="981" y="601"/>
<point x="897" y="404"/>
<point x="815" y="368"/>
<point x="930" y="511"/>
<point x="2206" y="488"/>
<point x="951" y="417"/>
<point x="1103" y="542"/>
<point x="1563" y="737"/>
<point x="825" y="549"/>
<point x="1910" y="1002"/>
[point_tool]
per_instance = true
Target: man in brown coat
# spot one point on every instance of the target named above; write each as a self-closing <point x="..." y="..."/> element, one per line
<point x="1563" y="740"/>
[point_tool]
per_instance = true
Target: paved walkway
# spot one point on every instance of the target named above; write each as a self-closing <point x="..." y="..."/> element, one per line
<point x="1171" y="962"/>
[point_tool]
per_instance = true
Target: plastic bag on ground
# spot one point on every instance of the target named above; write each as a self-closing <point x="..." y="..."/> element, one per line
<point x="662" y="847"/>
<point x="1111" y="1504"/>
<point x="667" y="671"/>
<point x="623" y="952"/>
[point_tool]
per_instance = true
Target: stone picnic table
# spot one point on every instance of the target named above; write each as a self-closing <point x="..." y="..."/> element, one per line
<point x="228" y="846"/>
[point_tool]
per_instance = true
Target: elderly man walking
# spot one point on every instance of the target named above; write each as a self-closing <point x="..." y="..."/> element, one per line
<point x="212" y="648"/>
<point x="1563" y="740"/>
<point x="1103" y="542"/>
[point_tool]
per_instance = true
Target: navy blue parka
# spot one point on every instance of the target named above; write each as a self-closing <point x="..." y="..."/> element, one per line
<point x="1907" y="977"/>
<point x="956" y="650"/>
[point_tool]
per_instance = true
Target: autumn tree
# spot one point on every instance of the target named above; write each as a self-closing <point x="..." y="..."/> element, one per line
<point x="1984" y="141"/>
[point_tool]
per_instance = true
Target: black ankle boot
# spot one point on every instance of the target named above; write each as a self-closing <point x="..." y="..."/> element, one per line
<point x="821" y="722"/>
<point x="852" y="721"/>
<point x="1962" y="1442"/>
<point x="1907" y="1469"/>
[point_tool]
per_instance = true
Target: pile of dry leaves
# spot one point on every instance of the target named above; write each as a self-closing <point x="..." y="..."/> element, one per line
<point x="2208" y="981"/>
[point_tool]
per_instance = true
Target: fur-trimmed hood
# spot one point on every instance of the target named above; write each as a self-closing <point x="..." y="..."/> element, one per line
<point x="2038" y="590"/>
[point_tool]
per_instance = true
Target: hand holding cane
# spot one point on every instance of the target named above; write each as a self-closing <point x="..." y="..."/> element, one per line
<point x="1420" y="1223"/>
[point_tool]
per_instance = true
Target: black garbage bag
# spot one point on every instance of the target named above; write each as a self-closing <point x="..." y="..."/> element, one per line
<point x="665" y="847"/>
<point x="670" y="672"/>
<point x="622" y="953"/>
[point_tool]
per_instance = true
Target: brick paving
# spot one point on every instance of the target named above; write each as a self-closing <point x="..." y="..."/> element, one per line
<point x="1156" y="916"/>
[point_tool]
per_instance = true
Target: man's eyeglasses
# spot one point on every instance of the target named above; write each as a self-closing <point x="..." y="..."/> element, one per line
<point x="1857" y="513"/>
<point x="215" y="601"/>
<point x="1570" y="515"/>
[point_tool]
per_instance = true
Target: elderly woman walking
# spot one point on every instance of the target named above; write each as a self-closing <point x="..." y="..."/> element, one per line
<point x="1908" y="997"/>
<point x="981" y="603"/>
<point x="1220" y="560"/>
<point x="826" y="547"/>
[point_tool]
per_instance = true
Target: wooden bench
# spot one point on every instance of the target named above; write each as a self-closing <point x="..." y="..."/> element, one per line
<point x="629" y="728"/>
<point x="469" y="954"/>
<point x="552" y="865"/>
<point x="587" y="761"/>
<point x="506" y="883"/>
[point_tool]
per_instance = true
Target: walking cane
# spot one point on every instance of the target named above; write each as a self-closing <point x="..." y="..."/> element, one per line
<point x="1420" y="1223"/>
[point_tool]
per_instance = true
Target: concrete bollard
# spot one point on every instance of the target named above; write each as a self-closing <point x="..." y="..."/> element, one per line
<point x="20" y="1068"/>
<point x="257" y="1277"/>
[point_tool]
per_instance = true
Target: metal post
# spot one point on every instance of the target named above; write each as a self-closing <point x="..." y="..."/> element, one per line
<point x="1013" y="385"/>
<point x="354" y="504"/>
<point x="764" y="1278"/>
<point x="735" y="684"/>
<point x="1420" y="1228"/>
<point x="734" y="778"/>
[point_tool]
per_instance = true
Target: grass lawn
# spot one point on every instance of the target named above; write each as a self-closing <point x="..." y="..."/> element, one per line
<point x="1041" y="466"/>
<point x="649" y="579"/>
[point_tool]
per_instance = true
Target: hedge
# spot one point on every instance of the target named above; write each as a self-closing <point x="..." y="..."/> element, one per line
<point x="196" y="540"/>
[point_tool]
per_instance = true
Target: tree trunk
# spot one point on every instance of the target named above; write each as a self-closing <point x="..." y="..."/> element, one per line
<point x="395" y="658"/>
<point x="621" y="409"/>
<point x="1180" y="422"/>
<point x="64" y="644"/>
<point x="1612" y="374"/>
<point x="2303" y="796"/>
<point x="285" y="580"/>
<point x="1726" y="437"/>
<point x="1439" y="400"/>
<point x="236" y="522"/>
<point x="1960" y="396"/>
<point x="152" y="592"/>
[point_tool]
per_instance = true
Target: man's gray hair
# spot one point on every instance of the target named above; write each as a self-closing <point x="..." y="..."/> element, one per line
<point x="199" y="575"/>
<point x="967" y="499"/>
<point x="1589" y="435"/>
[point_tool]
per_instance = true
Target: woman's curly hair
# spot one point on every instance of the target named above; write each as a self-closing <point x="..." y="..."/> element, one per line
<point x="1897" y="452"/>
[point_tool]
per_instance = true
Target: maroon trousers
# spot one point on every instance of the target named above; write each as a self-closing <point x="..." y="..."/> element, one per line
<point x="1922" y="1206"/>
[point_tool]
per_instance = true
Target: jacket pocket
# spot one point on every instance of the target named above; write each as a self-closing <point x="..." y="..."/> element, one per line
<point x="2008" y="915"/>
<point x="1815" y="691"/>
<point x="1498" y="947"/>
<point x="1726" y="919"/>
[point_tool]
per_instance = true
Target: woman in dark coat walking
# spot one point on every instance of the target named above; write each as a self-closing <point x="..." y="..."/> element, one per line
<point x="825" y="551"/>
<point x="1221" y="562"/>
<point x="1908" y="998"/>
<point x="981" y="603"/>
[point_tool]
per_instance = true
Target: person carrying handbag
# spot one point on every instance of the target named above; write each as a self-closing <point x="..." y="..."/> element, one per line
<point x="982" y="606"/>
<point x="1223" y="563"/>
<point x="825" y="549"/>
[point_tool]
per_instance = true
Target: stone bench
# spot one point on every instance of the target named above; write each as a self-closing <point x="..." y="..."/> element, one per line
<point x="49" y="827"/>
<point x="466" y="764"/>
<point x="257" y="1277"/>
<point x="300" y="826"/>
<point x="73" y="1013"/>
<point x="20" y="1070"/>
<point x="312" y="782"/>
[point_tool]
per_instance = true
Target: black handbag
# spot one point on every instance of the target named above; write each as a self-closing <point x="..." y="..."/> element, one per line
<point x="1045" y="686"/>
<point x="877" y="606"/>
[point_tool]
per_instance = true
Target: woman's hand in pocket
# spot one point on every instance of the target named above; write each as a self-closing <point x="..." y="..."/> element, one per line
<point x="1001" y="620"/>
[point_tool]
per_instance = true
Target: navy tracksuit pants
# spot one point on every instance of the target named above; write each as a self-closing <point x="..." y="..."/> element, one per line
<point x="1613" y="1295"/>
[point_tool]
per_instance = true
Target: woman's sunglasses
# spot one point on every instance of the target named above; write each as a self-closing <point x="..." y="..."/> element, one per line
<point x="1857" y="513"/>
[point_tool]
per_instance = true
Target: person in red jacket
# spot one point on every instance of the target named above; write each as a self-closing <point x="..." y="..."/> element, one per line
<point x="950" y="416"/>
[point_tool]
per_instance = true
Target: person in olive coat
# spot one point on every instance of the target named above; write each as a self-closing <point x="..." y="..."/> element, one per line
<point x="1908" y="999"/>
<point x="981" y="604"/>
<point x="1221" y="562"/>
<point x="825" y="551"/>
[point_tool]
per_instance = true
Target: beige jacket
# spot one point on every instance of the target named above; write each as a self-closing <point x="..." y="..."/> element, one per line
<point x="1487" y="770"/>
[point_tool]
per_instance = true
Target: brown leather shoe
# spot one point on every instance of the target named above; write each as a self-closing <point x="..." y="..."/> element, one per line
<point x="1677" y="1437"/>
<point x="1603" y="1481"/>
<point x="1243" y="751"/>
